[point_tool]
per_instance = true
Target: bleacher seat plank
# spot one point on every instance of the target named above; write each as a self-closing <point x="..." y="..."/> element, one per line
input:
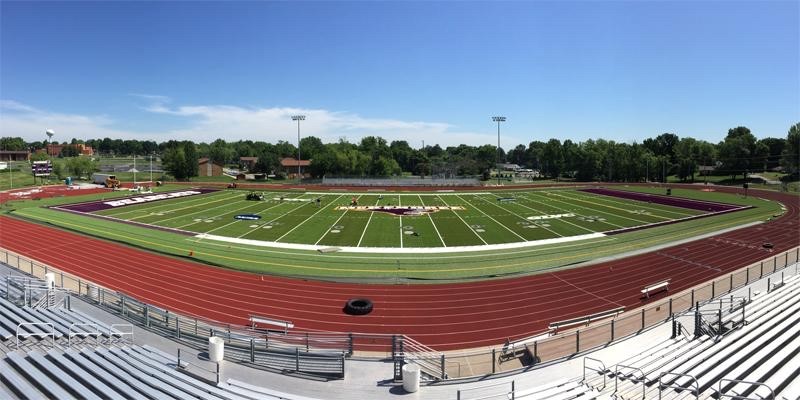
<point x="266" y="391"/>
<point x="88" y="369"/>
<point x="164" y="379"/>
<point x="41" y="380"/>
<point x="87" y="378"/>
<point x="19" y="383"/>
<point x="145" y="386"/>
<point x="65" y="379"/>
<point x="158" y="365"/>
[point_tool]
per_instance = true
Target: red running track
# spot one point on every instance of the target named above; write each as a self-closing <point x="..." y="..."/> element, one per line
<point x="443" y="316"/>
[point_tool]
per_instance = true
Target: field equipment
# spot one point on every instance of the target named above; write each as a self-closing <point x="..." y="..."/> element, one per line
<point x="255" y="196"/>
<point x="109" y="181"/>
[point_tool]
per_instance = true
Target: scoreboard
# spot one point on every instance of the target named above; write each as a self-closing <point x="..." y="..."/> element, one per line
<point x="42" y="168"/>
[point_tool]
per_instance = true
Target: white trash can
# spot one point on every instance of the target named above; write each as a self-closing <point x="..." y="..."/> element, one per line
<point x="411" y="378"/>
<point x="50" y="280"/>
<point x="216" y="349"/>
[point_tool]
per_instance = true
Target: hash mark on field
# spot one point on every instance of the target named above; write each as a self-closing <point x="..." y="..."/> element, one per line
<point x="521" y="217"/>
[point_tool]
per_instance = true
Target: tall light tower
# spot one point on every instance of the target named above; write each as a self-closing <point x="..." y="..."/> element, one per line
<point x="298" y="118"/>
<point x="498" y="119"/>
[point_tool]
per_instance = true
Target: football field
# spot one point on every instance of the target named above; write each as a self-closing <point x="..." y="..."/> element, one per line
<point x="400" y="220"/>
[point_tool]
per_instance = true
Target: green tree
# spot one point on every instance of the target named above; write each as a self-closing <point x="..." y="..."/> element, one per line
<point x="12" y="143"/>
<point x="737" y="151"/>
<point x="553" y="158"/>
<point x="80" y="166"/>
<point x="790" y="161"/>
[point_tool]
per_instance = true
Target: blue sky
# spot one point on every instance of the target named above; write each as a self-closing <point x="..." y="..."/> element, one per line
<point x="433" y="71"/>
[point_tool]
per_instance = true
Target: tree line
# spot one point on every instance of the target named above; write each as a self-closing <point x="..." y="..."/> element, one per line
<point x="606" y="160"/>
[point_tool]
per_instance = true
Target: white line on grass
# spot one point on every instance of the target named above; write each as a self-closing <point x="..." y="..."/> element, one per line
<point x="200" y="199"/>
<point x="556" y="219"/>
<point x="304" y="221"/>
<point x="203" y="210"/>
<point x="219" y="215"/>
<point x="401" y="223"/>
<point x="568" y="210"/>
<point x="602" y="205"/>
<point x="519" y="216"/>
<point x="462" y="220"/>
<point x="258" y="213"/>
<point x="496" y="221"/>
<point x="640" y="203"/>
<point x="274" y="219"/>
<point x="334" y="224"/>
<point x="367" y="225"/>
<point x="433" y="223"/>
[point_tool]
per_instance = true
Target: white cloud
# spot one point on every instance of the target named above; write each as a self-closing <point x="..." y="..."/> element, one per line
<point x="209" y="122"/>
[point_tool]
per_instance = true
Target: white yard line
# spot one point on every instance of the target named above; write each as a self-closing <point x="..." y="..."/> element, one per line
<point x="566" y="210"/>
<point x="203" y="210"/>
<point x="218" y="215"/>
<point x="235" y="221"/>
<point x="603" y="212"/>
<point x="520" y="216"/>
<point x="496" y="221"/>
<point x="401" y="222"/>
<point x="640" y="203"/>
<point x="367" y="225"/>
<point x="334" y="224"/>
<point x="155" y="206"/>
<point x="304" y="221"/>
<point x="554" y="219"/>
<point x="433" y="223"/>
<point x="465" y="222"/>
<point x="274" y="219"/>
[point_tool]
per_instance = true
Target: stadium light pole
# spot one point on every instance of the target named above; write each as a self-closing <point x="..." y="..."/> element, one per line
<point x="298" y="118"/>
<point x="498" y="119"/>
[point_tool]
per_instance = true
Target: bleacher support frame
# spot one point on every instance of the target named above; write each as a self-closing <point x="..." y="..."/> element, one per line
<point x="641" y="379"/>
<point x="599" y="371"/>
<point x="662" y="385"/>
<point x="72" y="332"/>
<point x="737" y="397"/>
<point x="24" y="335"/>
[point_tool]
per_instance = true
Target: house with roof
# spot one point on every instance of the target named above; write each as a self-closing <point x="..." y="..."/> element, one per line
<point x="291" y="165"/>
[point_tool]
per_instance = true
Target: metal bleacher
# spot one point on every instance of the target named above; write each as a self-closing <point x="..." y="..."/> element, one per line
<point x="125" y="372"/>
<point x="758" y="360"/>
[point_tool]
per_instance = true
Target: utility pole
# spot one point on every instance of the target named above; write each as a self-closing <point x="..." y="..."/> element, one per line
<point x="498" y="119"/>
<point x="298" y="118"/>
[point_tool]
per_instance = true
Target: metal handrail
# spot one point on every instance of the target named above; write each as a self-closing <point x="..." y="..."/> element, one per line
<point x="737" y="397"/>
<point x="73" y="332"/>
<point x="600" y="371"/>
<point x="52" y="333"/>
<point x="661" y="385"/>
<point x="634" y="378"/>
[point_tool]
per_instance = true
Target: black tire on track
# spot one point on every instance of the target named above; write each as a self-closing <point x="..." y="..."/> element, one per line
<point x="358" y="306"/>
